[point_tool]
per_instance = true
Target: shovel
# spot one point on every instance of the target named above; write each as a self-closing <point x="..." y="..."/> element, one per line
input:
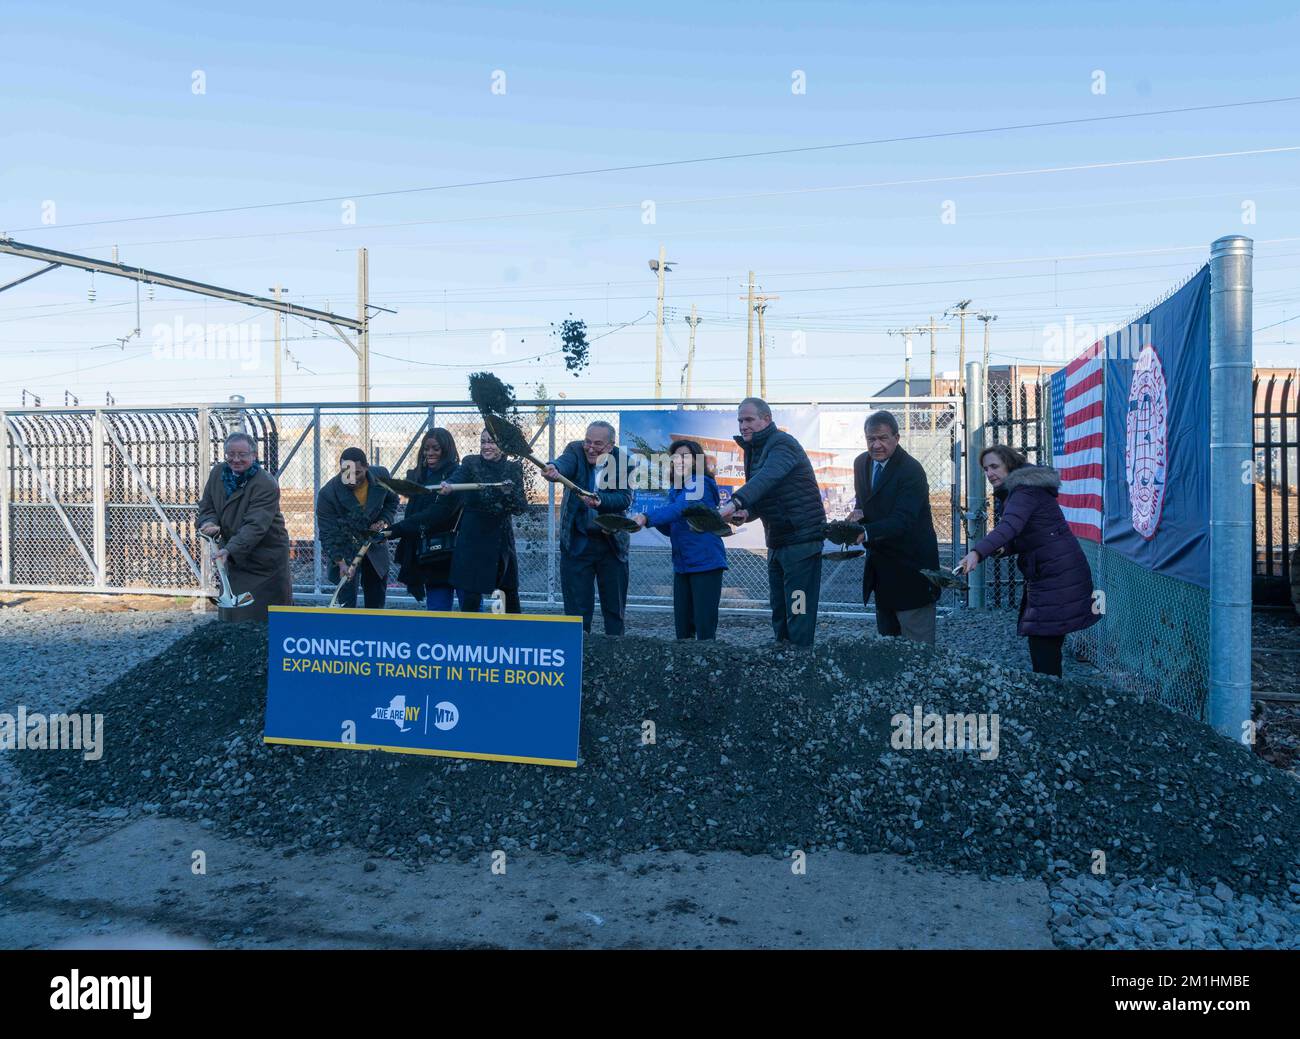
<point x="227" y="600"/>
<point x="356" y="562"/>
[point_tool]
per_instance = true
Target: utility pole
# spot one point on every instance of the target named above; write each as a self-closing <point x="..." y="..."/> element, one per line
<point x="932" y="328"/>
<point x="363" y="343"/>
<point x="960" y="311"/>
<point x="986" y="317"/>
<point x="760" y="305"/>
<point x="749" y="340"/>
<point x="279" y="371"/>
<point x="659" y="328"/>
<point x="693" y="320"/>
<point x="660" y="266"/>
<point x="907" y="333"/>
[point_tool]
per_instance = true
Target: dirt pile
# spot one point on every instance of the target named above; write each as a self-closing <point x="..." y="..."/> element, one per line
<point x="760" y="751"/>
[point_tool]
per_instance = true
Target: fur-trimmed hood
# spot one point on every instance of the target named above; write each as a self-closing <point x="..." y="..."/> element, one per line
<point x="1043" y="476"/>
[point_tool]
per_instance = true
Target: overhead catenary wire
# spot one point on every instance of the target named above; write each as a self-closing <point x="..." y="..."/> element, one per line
<point x="666" y="163"/>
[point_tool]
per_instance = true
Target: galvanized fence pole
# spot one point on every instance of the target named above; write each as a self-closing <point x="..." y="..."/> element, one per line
<point x="315" y="489"/>
<point x="5" y="553"/>
<point x="1231" y="484"/>
<point x="955" y="492"/>
<point x="99" y="547"/>
<point x="550" y="515"/>
<point x="975" y="494"/>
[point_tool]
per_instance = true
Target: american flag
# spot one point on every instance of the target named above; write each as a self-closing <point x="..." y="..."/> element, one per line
<point x="1077" y="440"/>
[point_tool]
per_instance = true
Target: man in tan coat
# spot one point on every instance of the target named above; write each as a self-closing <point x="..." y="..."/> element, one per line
<point x="241" y="503"/>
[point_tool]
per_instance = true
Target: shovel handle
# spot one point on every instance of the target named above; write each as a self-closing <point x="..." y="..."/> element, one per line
<point x="563" y="479"/>
<point x="351" y="566"/>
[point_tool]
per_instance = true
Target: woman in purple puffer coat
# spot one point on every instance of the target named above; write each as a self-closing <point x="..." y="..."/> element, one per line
<point x="1058" y="582"/>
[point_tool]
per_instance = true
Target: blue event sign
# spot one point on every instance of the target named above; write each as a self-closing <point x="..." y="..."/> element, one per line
<point x="502" y="687"/>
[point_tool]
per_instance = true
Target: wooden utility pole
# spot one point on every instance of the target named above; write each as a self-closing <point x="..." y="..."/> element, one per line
<point x="960" y="311"/>
<point x="693" y="320"/>
<point x="279" y="371"/>
<point x="760" y="305"/>
<point x="932" y="328"/>
<point x="661" y="267"/>
<point x="363" y="344"/>
<point x="749" y="340"/>
<point x="986" y="318"/>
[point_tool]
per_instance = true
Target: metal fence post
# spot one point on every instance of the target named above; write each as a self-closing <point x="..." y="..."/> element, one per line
<point x="1231" y="484"/>
<point x="99" y="545"/>
<point x="202" y="466"/>
<point x="975" y="495"/>
<point x="4" y="499"/>
<point x="955" y="493"/>
<point x="550" y="514"/>
<point x="315" y="489"/>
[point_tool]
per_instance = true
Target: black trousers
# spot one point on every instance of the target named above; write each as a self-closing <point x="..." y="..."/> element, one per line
<point x="794" y="582"/>
<point x="1045" y="653"/>
<point x="472" y="602"/>
<point x="695" y="603"/>
<point x="374" y="588"/>
<point x="596" y="567"/>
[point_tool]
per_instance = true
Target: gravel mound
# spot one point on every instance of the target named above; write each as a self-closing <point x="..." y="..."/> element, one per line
<point x="1093" y="913"/>
<point x="758" y="750"/>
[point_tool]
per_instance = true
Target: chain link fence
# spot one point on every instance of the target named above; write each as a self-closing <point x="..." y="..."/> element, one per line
<point x="106" y="499"/>
<point x="1153" y="637"/>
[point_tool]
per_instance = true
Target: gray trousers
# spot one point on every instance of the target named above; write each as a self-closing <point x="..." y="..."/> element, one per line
<point x="917" y="625"/>
<point x="794" y="584"/>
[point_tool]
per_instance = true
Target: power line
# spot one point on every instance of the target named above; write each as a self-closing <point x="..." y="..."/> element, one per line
<point x="700" y="200"/>
<point x="806" y="149"/>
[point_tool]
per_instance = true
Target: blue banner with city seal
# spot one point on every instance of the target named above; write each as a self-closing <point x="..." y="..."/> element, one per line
<point x="501" y="687"/>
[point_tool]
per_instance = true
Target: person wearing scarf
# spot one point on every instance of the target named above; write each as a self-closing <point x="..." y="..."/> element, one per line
<point x="484" y="560"/>
<point x="241" y="505"/>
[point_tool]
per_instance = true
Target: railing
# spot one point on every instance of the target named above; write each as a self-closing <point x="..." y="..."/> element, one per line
<point x="105" y="499"/>
<point x="1277" y="456"/>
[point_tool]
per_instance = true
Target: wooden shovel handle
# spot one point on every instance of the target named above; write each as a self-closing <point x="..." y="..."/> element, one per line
<point x="351" y="566"/>
<point x="582" y="491"/>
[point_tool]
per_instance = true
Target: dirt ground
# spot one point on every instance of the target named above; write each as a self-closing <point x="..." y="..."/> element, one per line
<point x="136" y="885"/>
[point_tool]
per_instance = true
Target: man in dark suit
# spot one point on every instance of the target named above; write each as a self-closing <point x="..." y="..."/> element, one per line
<point x="349" y="509"/>
<point x="591" y="558"/>
<point x="893" y="504"/>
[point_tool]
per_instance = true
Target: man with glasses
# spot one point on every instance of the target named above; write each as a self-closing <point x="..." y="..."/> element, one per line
<point x="241" y="505"/>
<point x="592" y="558"/>
<point x="893" y="504"/>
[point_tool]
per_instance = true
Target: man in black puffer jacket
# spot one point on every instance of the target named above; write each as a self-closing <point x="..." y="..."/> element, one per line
<point x="781" y="490"/>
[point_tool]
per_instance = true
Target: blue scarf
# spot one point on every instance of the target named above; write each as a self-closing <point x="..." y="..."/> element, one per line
<point x="233" y="481"/>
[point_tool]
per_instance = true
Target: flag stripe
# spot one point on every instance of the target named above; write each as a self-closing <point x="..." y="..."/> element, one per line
<point x="1077" y="441"/>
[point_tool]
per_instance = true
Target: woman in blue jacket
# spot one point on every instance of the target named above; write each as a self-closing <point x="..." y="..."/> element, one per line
<point x="698" y="559"/>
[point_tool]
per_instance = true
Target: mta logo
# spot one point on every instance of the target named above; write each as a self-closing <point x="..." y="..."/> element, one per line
<point x="445" y="715"/>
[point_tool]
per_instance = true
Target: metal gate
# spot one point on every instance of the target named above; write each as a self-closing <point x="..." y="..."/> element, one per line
<point x="1014" y="416"/>
<point x="105" y="500"/>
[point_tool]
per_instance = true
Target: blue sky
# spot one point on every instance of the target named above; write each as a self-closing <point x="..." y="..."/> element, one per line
<point x="337" y="101"/>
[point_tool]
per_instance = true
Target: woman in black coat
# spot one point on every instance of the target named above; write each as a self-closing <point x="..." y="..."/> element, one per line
<point x="429" y="515"/>
<point x="1058" y="581"/>
<point x="484" y="559"/>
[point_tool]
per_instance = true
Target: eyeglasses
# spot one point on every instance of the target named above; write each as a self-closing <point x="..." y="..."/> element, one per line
<point x="236" y="456"/>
